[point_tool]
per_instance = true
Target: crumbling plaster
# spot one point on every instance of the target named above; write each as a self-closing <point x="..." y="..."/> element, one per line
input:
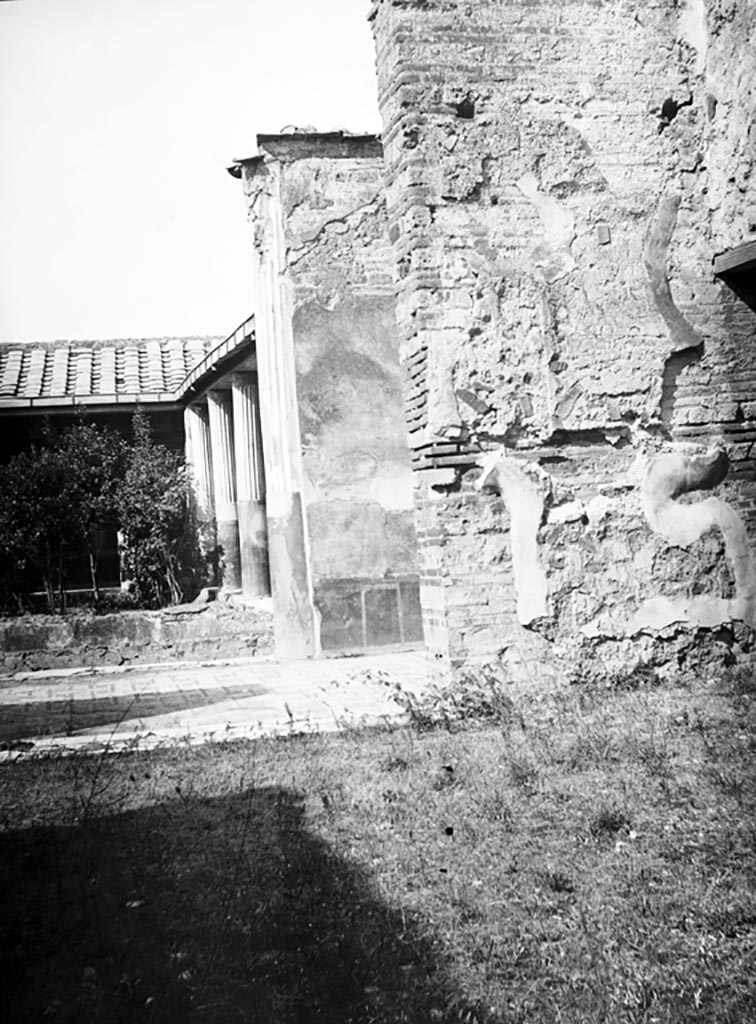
<point x="559" y="179"/>
<point x="336" y="349"/>
<point x="357" y="482"/>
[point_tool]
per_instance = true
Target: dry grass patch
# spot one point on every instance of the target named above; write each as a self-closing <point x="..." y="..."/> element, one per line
<point x="586" y="856"/>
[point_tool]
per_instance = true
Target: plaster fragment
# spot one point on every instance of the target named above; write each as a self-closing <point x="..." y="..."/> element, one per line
<point x="667" y="477"/>
<point x="598" y="509"/>
<point x="524" y="500"/>
<point x="681" y="333"/>
<point x="693" y="30"/>
<point x="603" y="234"/>
<point x="568" y="401"/>
<point x="559" y="228"/>
<point x="569" y="512"/>
<point x="438" y="477"/>
<point x="444" y="419"/>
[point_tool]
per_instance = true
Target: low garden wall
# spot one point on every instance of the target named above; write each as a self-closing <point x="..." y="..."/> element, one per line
<point x="185" y="632"/>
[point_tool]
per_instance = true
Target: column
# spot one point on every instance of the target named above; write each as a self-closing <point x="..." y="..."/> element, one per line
<point x="198" y="457"/>
<point x="199" y="460"/>
<point x="250" y="486"/>
<point x="224" y="486"/>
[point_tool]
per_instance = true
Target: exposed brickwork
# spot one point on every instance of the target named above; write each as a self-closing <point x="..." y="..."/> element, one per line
<point x="559" y="179"/>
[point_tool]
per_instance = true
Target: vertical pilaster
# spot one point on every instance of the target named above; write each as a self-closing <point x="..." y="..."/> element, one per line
<point x="224" y="486"/>
<point x="250" y="485"/>
<point x="293" y="610"/>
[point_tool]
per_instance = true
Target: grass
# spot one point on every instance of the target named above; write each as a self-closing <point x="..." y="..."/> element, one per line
<point x="581" y="856"/>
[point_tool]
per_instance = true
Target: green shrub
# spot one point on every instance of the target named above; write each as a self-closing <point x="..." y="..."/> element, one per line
<point x="55" y="496"/>
<point x="51" y="500"/>
<point x="160" y="553"/>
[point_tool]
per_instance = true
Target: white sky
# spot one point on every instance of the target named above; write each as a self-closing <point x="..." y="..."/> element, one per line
<point x="117" y="120"/>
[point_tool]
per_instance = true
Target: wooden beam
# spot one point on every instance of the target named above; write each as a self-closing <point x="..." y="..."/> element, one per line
<point x="736" y="261"/>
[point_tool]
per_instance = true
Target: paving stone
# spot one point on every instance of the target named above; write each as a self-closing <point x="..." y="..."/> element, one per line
<point x="169" y="704"/>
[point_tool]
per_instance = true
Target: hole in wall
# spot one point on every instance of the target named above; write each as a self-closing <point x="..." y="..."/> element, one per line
<point x="669" y="109"/>
<point x="466" y="108"/>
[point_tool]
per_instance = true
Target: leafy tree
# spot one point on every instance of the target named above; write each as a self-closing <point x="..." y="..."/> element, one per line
<point x="155" y="513"/>
<point x="54" y="497"/>
<point x="39" y="525"/>
<point x="95" y="460"/>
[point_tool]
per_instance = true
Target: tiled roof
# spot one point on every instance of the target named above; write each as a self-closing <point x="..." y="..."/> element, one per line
<point x="102" y="372"/>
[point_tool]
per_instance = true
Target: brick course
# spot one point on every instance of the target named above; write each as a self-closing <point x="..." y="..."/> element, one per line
<point x="559" y="179"/>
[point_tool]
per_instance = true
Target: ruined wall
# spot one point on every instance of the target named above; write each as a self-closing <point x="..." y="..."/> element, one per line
<point x="356" y="481"/>
<point x="559" y="180"/>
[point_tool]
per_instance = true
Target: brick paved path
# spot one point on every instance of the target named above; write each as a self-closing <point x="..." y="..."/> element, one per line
<point x="107" y="708"/>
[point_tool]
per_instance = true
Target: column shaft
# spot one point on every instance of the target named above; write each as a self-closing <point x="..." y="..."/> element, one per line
<point x="224" y="486"/>
<point x="197" y="447"/>
<point x="250" y="486"/>
<point x="199" y="460"/>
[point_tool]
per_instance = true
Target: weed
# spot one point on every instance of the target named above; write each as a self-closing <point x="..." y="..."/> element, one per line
<point x="608" y="821"/>
<point x="523" y="773"/>
<point x="731" y="780"/>
<point x="558" y="881"/>
<point x="473" y="698"/>
<point x="445" y="778"/>
<point x="496" y="807"/>
<point x="740" y="679"/>
<point x="590" y="747"/>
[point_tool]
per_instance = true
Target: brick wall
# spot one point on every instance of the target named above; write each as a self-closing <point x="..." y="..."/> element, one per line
<point x="559" y="179"/>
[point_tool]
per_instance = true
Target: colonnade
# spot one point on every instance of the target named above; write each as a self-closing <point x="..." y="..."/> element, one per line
<point x="224" y="451"/>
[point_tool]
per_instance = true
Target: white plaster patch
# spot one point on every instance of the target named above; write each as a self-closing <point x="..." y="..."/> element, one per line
<point x="393" y="488"/>
<point x="659" y="612"/>
<point x="682" y="525"/>
<point x="444" y="419"/>
<point x="693" y="30"/>
<point x="568" y="512"/>
<point x="558" y="225"/>
<point x="278" y="504"/>
<point x="598" y="509"/>
<point x="524" y="500"/>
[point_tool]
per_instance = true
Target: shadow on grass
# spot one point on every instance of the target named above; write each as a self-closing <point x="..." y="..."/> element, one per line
<point x="65" y="717"/>
<point x="205" y="910"/>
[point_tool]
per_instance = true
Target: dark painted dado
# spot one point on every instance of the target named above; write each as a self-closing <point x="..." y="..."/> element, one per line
<point x="368" y="613"/>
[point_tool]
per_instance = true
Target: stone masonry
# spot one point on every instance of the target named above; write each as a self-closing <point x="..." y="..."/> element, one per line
<point x="560" y="179"/>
